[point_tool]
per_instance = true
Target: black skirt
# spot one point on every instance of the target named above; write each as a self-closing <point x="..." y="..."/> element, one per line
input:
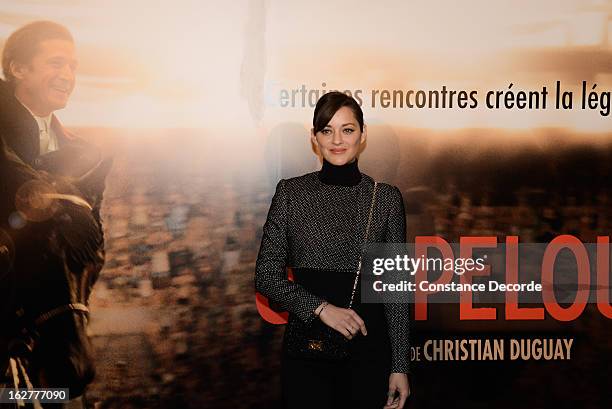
<point x="360" y="381"/>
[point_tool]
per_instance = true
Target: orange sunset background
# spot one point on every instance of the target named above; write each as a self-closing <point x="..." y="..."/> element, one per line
<point x="186" y="96"/>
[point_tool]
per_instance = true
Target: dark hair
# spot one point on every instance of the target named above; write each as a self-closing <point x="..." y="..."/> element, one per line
<point x="22" y="45"/>
<point x="329" y="104"/>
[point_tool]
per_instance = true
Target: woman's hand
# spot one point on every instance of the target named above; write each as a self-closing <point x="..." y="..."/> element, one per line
<point x="343" y="320"/>
<point x="397" y="382"/>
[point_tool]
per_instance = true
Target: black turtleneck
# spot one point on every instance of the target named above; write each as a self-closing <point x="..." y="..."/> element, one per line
<point x="342" y="175"/>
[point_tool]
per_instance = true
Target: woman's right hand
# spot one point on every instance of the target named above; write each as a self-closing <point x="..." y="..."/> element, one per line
<point x="344" y="320"/>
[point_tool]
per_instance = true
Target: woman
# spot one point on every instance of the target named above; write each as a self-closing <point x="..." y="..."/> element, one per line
<point x="316" y="226"/>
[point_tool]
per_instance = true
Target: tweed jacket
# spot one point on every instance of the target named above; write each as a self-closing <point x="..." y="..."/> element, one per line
<point x="308" y="226"/>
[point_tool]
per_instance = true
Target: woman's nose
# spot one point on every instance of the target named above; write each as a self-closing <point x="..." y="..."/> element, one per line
<point x="337" y="138"/>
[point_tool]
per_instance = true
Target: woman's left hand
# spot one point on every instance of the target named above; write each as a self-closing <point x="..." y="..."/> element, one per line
<point x="397" y="382"/>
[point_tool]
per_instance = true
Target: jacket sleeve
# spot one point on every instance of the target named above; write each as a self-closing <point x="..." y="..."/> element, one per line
<point x="270" y="270"/>
<point x="398" y="314"/>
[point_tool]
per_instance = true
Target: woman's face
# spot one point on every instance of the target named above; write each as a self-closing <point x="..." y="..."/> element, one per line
<point x="340" y="140"/>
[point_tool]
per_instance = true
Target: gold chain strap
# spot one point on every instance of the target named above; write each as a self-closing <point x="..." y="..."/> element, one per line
<point x="365" y="240"/>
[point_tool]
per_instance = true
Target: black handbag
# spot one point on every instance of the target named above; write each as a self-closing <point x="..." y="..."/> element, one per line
<point x="316" y="340"/>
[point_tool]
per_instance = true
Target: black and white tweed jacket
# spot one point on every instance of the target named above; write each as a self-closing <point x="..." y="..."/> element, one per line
<point x="314" y="225"/>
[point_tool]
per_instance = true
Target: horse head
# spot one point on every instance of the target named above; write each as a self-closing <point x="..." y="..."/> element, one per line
<point x="55" y="251"/>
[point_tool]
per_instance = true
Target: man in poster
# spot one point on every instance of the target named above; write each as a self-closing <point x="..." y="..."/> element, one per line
<point x="39" y="65"/>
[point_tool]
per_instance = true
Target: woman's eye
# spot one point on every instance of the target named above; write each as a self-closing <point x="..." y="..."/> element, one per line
<point x="349" y="130"/>
<point x="326" y="131"/>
